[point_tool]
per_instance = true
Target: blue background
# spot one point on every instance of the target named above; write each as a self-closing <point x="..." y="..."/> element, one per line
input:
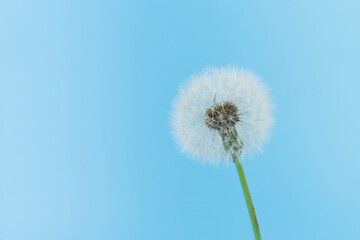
<point x="85" y="95"/>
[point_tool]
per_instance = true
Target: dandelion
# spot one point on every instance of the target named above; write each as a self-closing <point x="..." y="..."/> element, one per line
<point x="223" y="114"/>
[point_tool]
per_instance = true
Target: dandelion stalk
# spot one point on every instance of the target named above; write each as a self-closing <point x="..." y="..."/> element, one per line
<point x="233" y="145"/>
<point x="248" y="200"/>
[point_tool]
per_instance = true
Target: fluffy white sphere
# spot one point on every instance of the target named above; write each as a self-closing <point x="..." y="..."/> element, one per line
<point x="216" y="86"/>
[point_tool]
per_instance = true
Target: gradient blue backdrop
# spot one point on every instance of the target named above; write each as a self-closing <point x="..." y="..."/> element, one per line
<point x="85" y="95"/>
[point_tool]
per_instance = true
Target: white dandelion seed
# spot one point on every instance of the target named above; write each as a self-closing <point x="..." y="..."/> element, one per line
<point x="221" y="114"/>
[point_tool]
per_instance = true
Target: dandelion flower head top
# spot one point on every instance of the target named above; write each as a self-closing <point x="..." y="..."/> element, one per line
<point x="221" y="114"/>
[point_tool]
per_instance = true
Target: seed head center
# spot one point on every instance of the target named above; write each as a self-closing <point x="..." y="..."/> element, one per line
<point x="222" y="116"/>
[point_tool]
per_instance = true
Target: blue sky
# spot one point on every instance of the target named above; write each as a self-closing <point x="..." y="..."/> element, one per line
<point x="85" y="95"/>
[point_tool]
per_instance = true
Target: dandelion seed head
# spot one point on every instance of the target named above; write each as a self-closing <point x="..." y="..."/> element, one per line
<point x="221" y="105"/>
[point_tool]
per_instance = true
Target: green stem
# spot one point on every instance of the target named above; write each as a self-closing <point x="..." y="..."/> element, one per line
<point x="249" y="203"/>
